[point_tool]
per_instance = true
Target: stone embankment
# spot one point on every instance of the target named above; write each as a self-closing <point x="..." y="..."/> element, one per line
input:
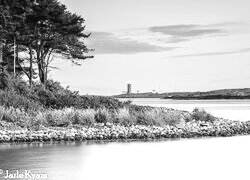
<point x="108" y="131"/>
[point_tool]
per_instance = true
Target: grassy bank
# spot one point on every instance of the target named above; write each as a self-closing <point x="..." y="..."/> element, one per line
<point x="64" y="126"/>
<point x="56" y="113"/>
<point x="134" y="122"/>
<point x="127" y="116"/>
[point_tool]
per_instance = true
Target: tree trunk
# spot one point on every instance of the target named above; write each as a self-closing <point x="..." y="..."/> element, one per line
<point x="42" y="74"/>
<point x="31" y="67"/>
<point x="41" y="65"/>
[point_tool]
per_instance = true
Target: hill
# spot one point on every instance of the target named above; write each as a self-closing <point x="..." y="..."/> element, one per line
<point x="214" y="94"/>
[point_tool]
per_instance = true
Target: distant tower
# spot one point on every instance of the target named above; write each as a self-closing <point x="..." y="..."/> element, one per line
<point x="128" y="88"/>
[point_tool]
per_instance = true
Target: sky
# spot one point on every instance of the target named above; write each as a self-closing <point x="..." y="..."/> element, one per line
<point x="161" y="45"/>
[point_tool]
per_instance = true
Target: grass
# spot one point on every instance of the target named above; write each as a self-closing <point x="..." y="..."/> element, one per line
<point x="35" y="107"/>
<point x="88" y="117"/>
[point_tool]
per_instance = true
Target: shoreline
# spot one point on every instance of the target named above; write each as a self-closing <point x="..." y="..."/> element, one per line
<point x="102" y="132"/>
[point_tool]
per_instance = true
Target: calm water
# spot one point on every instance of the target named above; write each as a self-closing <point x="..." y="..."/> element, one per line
<point x="229" y="109"/>
<point x="187" y="159"/>
<point x="193" y="159"/>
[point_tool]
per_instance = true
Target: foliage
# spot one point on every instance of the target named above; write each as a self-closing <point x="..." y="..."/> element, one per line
<point x="14" y="115"/>
<point x="15" y="100"/>
<point x="4" y="83"/>
<point x="18" y="94"/>
<point x="102" y="116"/>
<point x="202" y="115"/>
<point x="84" y="117"/>
<point x="123" y="116"/>
<point x="41" y="29"/>
<point x="87" y="117"/>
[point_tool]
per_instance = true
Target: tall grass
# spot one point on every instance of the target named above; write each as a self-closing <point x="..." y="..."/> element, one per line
<point x="124" y="116"/>
<point x="88" y="117"/>
<point x="84" y="117"/>
<point x="158" y="117"/>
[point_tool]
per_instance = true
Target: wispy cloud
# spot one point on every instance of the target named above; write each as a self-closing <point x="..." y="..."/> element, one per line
<point x="108" y="43"/>
<point x="186" y="32"/>
<point x="158" y="38"/>
<point x="214" y="53"/>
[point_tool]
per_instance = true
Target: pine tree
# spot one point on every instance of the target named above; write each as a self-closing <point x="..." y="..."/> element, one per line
<point x="43" y="29"/>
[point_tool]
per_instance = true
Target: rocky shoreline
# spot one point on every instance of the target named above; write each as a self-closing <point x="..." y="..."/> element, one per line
<point x="192" y="129"/>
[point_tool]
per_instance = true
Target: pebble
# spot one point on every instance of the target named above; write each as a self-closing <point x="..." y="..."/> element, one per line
<point x="116" y="131"/>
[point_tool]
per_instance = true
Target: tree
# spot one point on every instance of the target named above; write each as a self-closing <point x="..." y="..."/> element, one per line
<point x="56" y="32"/>
<point x="13" y="14"/>
<point x="44" y="29"/>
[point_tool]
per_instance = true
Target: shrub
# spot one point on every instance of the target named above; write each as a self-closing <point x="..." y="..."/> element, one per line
<point x="4" y="81"/>
<point x="37" y="120"/>
<point x="102" y="116"/>
<point x="16" y="92"/>
<point x="19" y="86"/>
<point x="47" y="98"/>
<point x="202" y="115"/>
<point x="12" y="99"/>
<point x="84" y="117"/>
<point x="158" y="117"/>
<point x="59" y="118"/>
<point x="14" y="115"/>
<point x="171" y="117"/>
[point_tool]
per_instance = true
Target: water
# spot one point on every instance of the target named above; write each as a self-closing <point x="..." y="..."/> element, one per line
<point x="228" y="109"/>
<point x="189" y="159"/>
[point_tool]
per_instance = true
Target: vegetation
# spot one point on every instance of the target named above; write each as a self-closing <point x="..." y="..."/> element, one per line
<point x="87" y="117"/>
<point x="202" y="115"/>
<point x="41" y="30"/>
<point x="35" y="107"/>
<point x="16" y="93"/>
<point x="36" y="31"/>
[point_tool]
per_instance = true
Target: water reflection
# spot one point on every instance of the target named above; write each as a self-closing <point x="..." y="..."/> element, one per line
<point x="207" y="158"/>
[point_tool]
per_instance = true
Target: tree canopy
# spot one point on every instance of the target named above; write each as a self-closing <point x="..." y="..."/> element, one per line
<point x="42" y="29"/>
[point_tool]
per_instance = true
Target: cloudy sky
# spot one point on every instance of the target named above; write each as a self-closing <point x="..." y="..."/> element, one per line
<point x="162" y="45"/>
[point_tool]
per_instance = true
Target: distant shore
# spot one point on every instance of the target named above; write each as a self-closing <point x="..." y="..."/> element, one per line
<point x="209" y="95"/>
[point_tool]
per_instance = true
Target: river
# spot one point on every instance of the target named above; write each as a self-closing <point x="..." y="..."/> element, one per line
<point x="189" y="159"/>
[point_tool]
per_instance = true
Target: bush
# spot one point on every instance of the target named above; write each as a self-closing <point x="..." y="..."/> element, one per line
<point x="47" y="98"/>
<point x="158" y="117"/>
<point x="14" y="115"/>
<point x="202" y="115"/>
<point x="102" y="116"/>
<point x="55" y="96"/>
<point x="4" y="81"/>
<point x="12" y="99"/>
<point x="59" y="118"/>
<point x="84" y="117"/>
